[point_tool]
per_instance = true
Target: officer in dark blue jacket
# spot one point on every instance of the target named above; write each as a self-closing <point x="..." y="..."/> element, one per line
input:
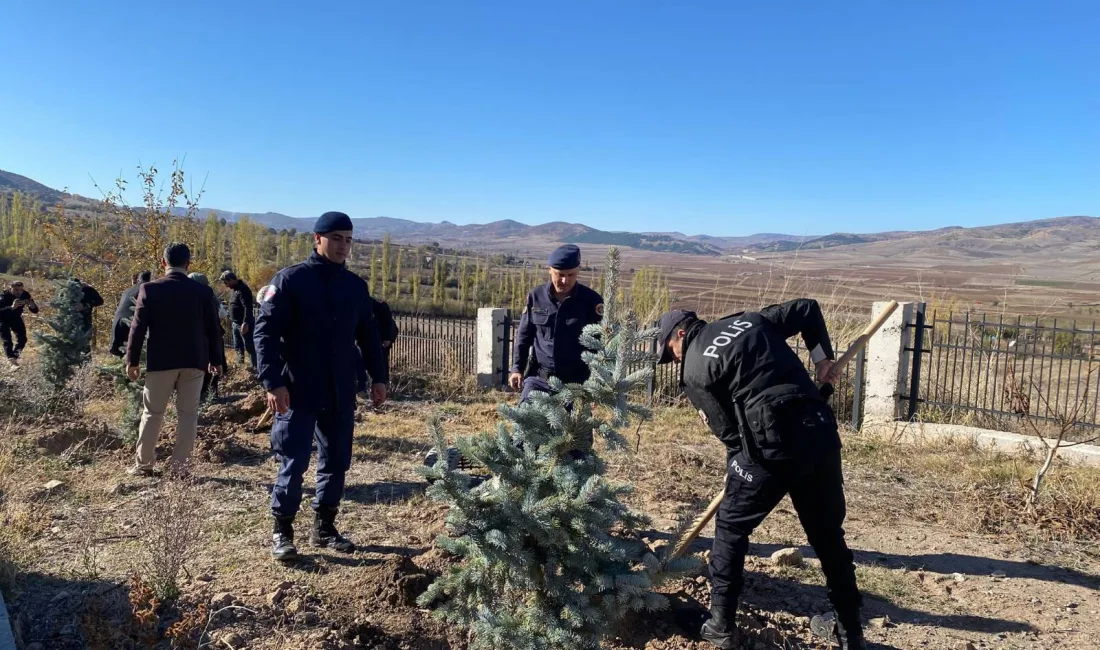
<point x="548" y="339"/>
<point x="315" y="327"/>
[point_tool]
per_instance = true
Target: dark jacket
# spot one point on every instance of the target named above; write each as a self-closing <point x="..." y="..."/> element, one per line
<point x="553" y="330"/>
<point x="387" y="326"/>
<point x="241" y="304"/>
<point x="10" y="313"/>
<point x="91" y="300"/>
<point x="120" y="328"/>
<point x="746" y="381"/>
<point x="315" y="321"/>
<point x="181" y="318"/>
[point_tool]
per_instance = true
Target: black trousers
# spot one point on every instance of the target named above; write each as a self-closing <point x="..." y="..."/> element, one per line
<point x="753" y="489"/>
<point x="17" y="327"/>
<point x="244" y="342"/>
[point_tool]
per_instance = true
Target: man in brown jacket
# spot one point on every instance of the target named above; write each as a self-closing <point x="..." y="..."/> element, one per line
<point x="185" y="342"/>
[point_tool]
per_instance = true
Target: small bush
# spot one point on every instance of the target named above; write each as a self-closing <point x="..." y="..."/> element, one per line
<point x="170" y="535"/>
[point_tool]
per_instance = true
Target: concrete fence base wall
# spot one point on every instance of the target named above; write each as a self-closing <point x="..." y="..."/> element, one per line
<point x="1013" y="443"/>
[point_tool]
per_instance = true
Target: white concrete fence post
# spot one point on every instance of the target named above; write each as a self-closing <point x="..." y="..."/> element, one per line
<point x="888" y="366"/>
<point x="489" y="347"/>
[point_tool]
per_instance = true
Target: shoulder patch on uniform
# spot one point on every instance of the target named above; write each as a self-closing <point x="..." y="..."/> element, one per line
<point x="704" y="418"/>
<point x="599" y="309"/>
<point x="266" y="293"/>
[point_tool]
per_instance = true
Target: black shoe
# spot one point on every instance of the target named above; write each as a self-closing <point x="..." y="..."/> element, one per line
<point x="324" y="533"/>
<point x="282" y="540"/>
<point x="721" y="630"/>
<point x="829" y="627"/>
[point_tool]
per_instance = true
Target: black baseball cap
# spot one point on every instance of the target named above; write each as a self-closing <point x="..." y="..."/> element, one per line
<point x="668" y="324"/>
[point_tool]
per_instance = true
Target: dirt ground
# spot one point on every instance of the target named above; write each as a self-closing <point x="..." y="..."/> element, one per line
<point x="933" y="574"/>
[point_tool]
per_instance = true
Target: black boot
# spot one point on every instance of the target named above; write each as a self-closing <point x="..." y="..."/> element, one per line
<point x="325" y="534"/>
<point x="846" y="631"/>
<point x="282" y="539"/>
<point x="721" y="629"/>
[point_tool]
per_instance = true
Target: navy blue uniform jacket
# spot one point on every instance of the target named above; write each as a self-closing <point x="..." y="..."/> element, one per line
<point x="310" y="321"/>
<point x="553" y="329"/>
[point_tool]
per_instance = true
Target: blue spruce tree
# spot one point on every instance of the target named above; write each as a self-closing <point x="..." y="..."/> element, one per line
<point x="69" y="346"/>
<point x="546" y="558"/>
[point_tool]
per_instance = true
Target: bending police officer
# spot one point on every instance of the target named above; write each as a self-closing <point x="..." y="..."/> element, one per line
<point x="753" y="392"/>
<point x="313" y="317"/>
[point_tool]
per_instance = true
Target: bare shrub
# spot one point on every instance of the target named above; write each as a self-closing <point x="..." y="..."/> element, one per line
<point x="1059" y="427"/>
<point x="24" y="392"/>
<point x="92" y="521"/>
<point x="170" y="534"/>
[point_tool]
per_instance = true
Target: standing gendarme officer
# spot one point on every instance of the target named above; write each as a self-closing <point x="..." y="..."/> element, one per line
<point x="548" y="339"/>
<point x="781" y="438"/>
<point x="314" y="328"/>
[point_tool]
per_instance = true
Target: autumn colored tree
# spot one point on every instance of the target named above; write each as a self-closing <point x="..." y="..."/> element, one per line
<point x="386" y="259"/>
<point x="375" y="273"/>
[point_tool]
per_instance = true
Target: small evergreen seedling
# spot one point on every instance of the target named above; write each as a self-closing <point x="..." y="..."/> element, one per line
<point x="69" y="346"/>
<point x="546" y="556"/>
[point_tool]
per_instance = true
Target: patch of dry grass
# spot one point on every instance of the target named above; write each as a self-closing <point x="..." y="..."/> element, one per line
<point x="20" y="520"/>
<point x="958" y="483"/>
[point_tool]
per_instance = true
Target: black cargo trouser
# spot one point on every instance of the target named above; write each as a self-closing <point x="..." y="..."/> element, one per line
<point x="753" y="489"/>
<point x="8" y="327"/>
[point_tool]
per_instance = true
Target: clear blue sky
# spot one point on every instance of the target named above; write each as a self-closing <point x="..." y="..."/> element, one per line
<point x="720" y="117"/>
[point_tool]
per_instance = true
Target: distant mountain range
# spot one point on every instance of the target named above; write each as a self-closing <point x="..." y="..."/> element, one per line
<point x="974" y="243"/>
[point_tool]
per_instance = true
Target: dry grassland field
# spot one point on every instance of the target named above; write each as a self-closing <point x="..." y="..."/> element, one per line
<point x="1021" y="277"/>
<point x="947" y="555"/>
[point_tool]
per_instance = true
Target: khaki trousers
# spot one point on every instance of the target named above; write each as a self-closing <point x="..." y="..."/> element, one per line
<point x="187" y="384"/>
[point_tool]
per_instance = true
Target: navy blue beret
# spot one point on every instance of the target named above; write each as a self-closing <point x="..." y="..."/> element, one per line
<point x="332" y="221"/>
<point x="565" y="257"/>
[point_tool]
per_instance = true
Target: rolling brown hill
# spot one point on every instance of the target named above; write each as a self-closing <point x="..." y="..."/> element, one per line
<point x="1068" y="245"/>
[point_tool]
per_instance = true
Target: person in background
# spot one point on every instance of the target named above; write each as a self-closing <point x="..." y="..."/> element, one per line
<point x="387" y="326"/>
<point x="211" y="379"/>
<point x="550" y="328"/>
<point x="88" y="303"/>
<point x="120" y="329"/>
<point x="241" y="312"/>
<point x="12" y="304"/>
<point x="185" y="341"/>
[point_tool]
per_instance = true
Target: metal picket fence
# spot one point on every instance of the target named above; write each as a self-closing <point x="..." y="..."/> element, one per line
<point x="993" y="371"/>
<point x="434" y="344"/>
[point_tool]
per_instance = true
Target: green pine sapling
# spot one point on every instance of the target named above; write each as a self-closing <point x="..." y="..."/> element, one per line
<point x="68" y="347"/>
<point x="547" y="558"/>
